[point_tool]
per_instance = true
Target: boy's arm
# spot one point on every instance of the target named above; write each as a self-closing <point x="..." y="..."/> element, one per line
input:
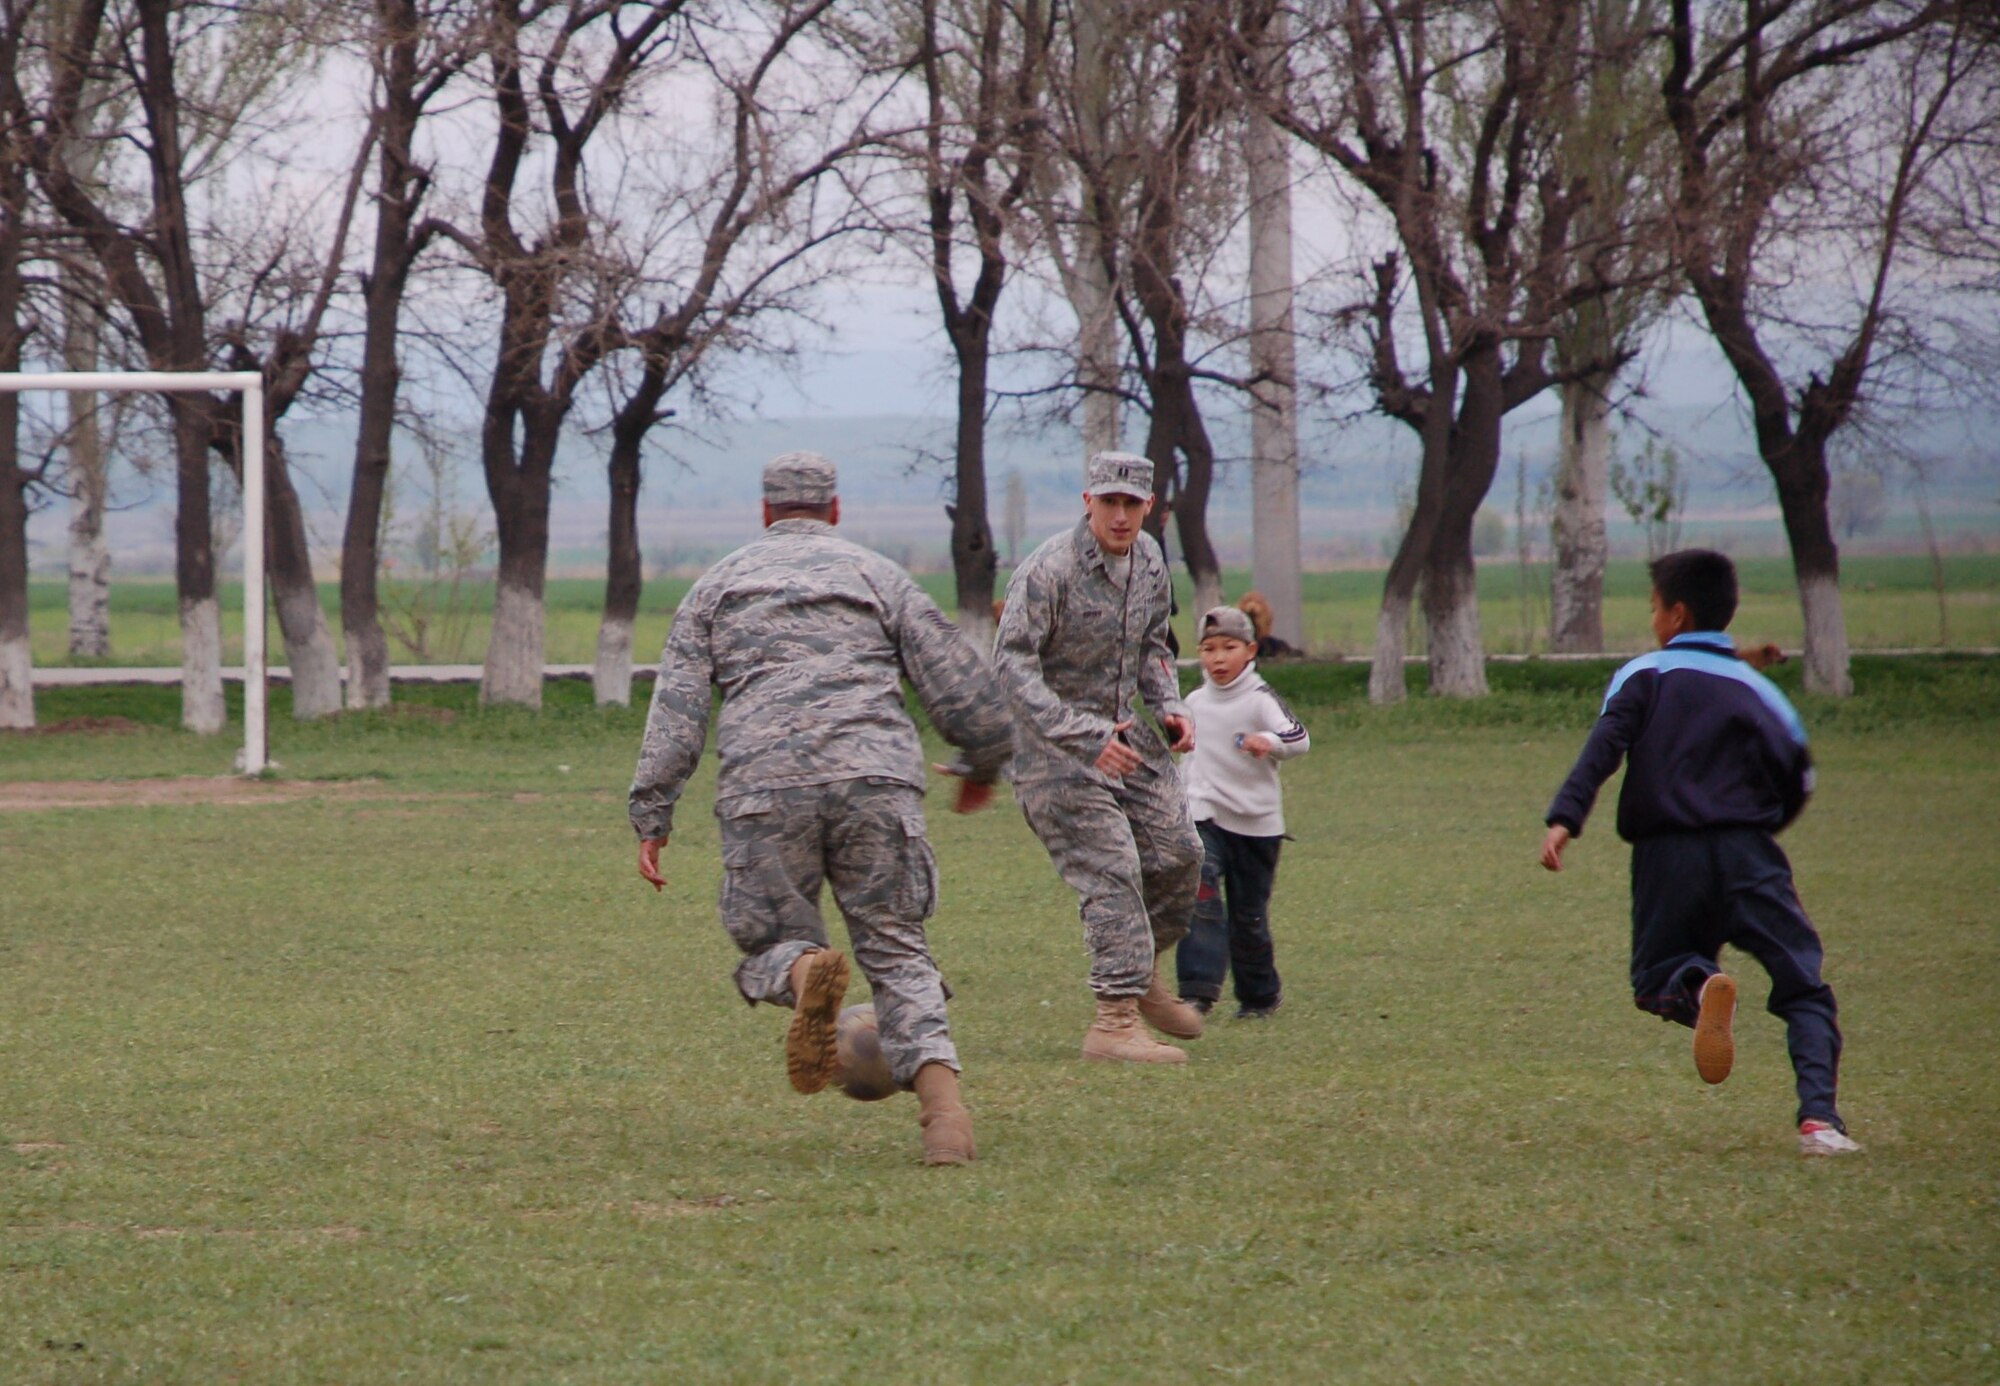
<point x="1283" y="729"/>
<point x="676" y="725"/>
<point x="1624" y="713"/>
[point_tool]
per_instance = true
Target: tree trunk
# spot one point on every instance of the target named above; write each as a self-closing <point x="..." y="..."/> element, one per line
<point x="202" y="707"/>
<point x="513" y="668"/>
<point x="1274" y="421"/>
<point x="1451" y="618"/>
<point x="1451" y="579"/>
<point x="17" y="665"/>
<point x="1576" y="579"/>
<point x="399" y="189"/>
<point x="1803" y="482"/>
<point x="1386" y="682"/>
<point x="361" y="542"/>
<point x="973" y="562"/>
<point x="89" y="555"/>
<point x="624" y="578"/>
<point x="309" y="649"/>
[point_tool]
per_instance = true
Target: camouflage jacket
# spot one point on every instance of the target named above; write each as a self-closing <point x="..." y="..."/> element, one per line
<point x="809" y="638"/>
<point x="1073" y="648"/>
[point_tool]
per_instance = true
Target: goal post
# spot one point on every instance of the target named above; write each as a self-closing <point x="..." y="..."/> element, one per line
<point x="250" y="384"/>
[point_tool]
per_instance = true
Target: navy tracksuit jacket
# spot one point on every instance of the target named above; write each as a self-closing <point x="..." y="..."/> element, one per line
<point x="1716" y="765"/>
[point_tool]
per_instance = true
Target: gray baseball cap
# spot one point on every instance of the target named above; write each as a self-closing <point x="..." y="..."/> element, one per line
<point x="1227" y="620"/>
<point x="1119" y="474"/>
<point x="798" y="478"/>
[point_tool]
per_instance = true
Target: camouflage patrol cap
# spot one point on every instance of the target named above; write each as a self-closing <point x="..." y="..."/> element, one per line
<point x="1227" y="620"/>
<point x="1119" y="474"/>
<point x="798" y="478"/>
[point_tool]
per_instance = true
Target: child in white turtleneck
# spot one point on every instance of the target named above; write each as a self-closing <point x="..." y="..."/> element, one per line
<point x="1242" y="730"/>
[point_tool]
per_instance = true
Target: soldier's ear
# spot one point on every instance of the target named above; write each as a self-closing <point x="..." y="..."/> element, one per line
<point x="833" y="511"/>
<point x="768" y="516"/>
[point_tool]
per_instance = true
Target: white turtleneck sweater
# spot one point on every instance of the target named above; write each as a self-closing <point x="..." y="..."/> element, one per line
<point x="1226" y="784"/>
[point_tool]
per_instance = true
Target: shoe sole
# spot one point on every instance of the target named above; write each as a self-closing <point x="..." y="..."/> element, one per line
<point x="1179" y="1057"/>
<point x="1714" y="1034"/>
<point x="810" y="1051"/>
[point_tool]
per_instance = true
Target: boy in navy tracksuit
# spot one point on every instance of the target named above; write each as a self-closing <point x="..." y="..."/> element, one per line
<point x="1716" y="766"/>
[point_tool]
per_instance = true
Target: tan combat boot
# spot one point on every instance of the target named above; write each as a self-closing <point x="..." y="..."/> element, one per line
<point x="819" y="984"/>
<point x="1167" y="1013"/>
<point x="941" y="1112"/>
<point x="1117" y="1036"/>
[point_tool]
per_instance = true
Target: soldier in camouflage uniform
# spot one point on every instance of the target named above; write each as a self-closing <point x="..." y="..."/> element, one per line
<point x="809" y="639"/>
<point x="1084" y="630"/>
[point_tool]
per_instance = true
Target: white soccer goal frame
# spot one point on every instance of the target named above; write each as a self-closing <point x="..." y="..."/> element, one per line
<point x="256" y="737"/>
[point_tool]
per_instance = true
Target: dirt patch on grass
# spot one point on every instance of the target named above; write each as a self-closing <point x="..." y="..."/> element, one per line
<point x="26" y="796"/>
<point x="83" y="726"/>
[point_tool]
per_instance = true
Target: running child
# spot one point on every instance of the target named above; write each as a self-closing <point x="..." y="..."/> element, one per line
<point x="1242" y="730"/>
<point x="1716" y="766"/>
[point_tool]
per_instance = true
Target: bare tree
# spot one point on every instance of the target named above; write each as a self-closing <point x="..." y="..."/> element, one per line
<point x="193" y="80"/>
<point x="982" y="63"/>
<point x="1609" y="139"/>
<point x="1167" y="240"/>
<point x="558" y="74"/>
<point x="740" y="249"/>
<point x="415" y="49"/>
<point x="1439" y="113"/>
<point x="1788" y="172"/>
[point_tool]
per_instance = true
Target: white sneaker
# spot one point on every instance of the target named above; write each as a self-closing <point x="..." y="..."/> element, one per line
<point x="1824" y="1138"/>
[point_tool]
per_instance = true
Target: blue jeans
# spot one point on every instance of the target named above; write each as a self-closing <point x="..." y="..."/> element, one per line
<point x="1231" y="929"/>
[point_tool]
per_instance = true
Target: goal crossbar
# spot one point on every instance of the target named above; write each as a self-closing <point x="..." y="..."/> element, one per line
<point x="250" y="384"/>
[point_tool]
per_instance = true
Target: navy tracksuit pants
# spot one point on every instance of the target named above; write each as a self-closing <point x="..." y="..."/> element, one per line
<point x="1231" y="928"/>
<point x="1693" y="892"/>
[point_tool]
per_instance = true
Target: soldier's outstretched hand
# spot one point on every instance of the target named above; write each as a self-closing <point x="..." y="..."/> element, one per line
<point x="649" y="861"/>
<point x="1182" y="730"/>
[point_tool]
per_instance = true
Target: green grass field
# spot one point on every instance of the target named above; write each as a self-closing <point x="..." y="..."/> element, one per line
<point x="1889" y="602"/>
<point x="412" y="1079"/>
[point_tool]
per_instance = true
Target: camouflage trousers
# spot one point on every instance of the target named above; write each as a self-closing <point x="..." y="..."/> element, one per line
<point x="865" y="839"/>
<point x="1130" y="852"/>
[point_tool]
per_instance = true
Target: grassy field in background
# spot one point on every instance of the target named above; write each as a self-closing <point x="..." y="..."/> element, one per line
<point x="413" y="1079"/>
<point x="1889" y="602"/>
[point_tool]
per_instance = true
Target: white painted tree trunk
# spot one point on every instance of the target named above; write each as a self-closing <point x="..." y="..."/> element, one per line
<point x="202" y="708"/>
<point x="611" y="678"/>
<point x="17" y="683"/>
<point x="1576" y="578"/>
<point x="1386" y="683"/>
<point x="1274" y="421"/>
<point x="513" y="671"/>
<point x="1826" y="655"/>
<point x="89" y="555"/>
<point x="89" y="577"/>
<point x="367" y="672"/>
<point x="309" y="651"/>
<point x="1451" y="625"/>
<point x="1207" y="593"/>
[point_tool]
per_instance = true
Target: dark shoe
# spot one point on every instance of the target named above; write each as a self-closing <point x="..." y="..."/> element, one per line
<point x="1263" y="1010"/>
<point x="1204" y="1004"/>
